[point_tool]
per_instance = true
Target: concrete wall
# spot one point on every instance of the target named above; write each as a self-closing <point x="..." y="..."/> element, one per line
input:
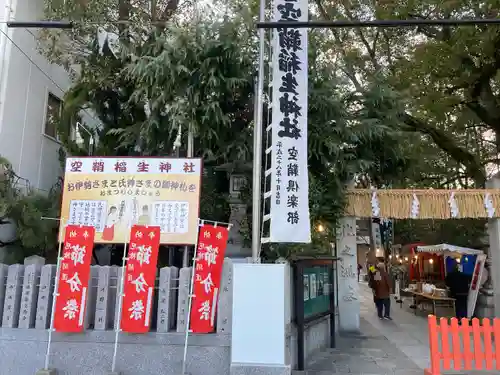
<point x="258" y="323"/>
<point x="26" y="79"/>
<point x="22" y="352"/>
<point x="316" y="336"/>
<point x="25" y="306"/>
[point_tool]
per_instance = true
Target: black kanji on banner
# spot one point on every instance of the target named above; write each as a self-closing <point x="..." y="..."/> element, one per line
<point x="290" y="42"/>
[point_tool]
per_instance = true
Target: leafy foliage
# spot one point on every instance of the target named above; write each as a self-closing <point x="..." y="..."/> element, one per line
<point x="441" y="82"/>
<point x="36" y="235"/>
<point x="371" y="119"/>
<point x="24" y="210"/>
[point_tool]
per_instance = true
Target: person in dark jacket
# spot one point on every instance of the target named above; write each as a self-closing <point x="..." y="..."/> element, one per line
<point x="458" y="283"/>
<point x="380" y="284"/>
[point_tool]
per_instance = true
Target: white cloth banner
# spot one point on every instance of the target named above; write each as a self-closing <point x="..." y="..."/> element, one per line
<point x="289" y="179"/>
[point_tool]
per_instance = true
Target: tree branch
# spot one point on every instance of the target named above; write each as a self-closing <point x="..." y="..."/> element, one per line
<point x="370" y="49"/>
<point x="169" y="10"/>
<point x="443" y="141"/>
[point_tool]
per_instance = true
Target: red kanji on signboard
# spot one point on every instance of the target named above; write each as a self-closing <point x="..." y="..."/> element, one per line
<point x="475" y="276"/>
<point x="212" y="242"/>
<point x="140" y="276"/>
<point x="73" y="282"/>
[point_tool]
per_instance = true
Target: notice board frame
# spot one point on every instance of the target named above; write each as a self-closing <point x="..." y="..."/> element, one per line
<point x="299" y="265"/>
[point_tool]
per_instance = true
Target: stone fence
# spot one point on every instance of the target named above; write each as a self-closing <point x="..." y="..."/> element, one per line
<point x="255" y="332"/>
<point x="26" y="294"/>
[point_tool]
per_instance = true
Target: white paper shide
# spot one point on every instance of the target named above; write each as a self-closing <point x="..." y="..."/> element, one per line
<point x="289" y="180"/>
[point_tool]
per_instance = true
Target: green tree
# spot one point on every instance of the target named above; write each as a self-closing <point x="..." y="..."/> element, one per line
<point x="132" y="20"/>
<point x="201" y="76"/>
<point x="23" y="209"/>
<point x="440" y="81"/>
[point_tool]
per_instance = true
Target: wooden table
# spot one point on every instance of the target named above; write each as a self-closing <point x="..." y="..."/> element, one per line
<point x="435" y="300"/>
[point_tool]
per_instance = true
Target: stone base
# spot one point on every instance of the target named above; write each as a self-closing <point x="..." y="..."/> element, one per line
<point x="258" y="369"/>
<point x="50" y="371"/>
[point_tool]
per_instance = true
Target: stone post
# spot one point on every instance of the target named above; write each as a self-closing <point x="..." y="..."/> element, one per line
<point x="225" y="308"/>
<point x="3" y="281"/>
<point x="348" y="288"/>
<point x="29" y="295"/>
<point x="12" y="302"/>
<point x="183" y="298"/>
<point x="45" y="295"/>
<point x="103" y="299"/>
<point x="167" y="299"/>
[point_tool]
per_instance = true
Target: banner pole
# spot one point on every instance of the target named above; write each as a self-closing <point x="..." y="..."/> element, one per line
<point x="120" y="302"/>
<point x="257" y="144"/>
<point x="190" y="298"/>
<point x="54" y="297"/>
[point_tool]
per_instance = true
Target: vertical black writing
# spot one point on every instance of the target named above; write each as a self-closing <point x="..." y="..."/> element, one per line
<point x="287" y="154"/>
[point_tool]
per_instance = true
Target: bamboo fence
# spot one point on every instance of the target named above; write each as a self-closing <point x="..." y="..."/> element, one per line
<point x="432" y="204"/>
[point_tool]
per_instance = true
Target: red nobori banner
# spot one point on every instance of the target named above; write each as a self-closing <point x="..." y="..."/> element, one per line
<point x="74" y="275"/>
<point x="212" y="242"/>
<point x="140" y="276"/>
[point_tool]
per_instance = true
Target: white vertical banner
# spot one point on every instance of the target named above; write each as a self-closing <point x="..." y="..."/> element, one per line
<point x="289" y="179"/>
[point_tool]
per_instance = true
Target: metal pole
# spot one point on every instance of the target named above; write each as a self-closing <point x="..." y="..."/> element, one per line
<point x="40" y="24"/>
<point x="56" y="289"/>
<point x="190" y="145"/>
<point x="190" y="300"/>
<point x="190" y="153"/>
<point x="91" y="137"/>
<point x="257" y="143"/>
<point x="120" y="303"/>
<point x="376" y="23"/>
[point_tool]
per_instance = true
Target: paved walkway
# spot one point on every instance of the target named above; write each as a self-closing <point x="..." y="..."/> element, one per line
<point x="398" y="347"/>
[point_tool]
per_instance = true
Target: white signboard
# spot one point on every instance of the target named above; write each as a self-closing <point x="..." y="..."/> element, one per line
<point x="114" y="193"/>
<point x="476" y="283"/>
<point x="289" y="179"/>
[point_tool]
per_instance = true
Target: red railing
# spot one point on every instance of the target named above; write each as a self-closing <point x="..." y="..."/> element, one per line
<point x="479" y="355"/>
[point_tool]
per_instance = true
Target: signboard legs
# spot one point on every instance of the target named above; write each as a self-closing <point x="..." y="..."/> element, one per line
<point x="56" y="287"/>
<point x="120" y="305"/>
<point x="205" y="281"/>
<point x="190" y="298"/>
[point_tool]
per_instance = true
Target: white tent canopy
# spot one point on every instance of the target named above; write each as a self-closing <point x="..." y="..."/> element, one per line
<point x="448" y="250"/>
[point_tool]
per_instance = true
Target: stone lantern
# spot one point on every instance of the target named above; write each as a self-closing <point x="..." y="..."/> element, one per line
<point x="238" y="217"/>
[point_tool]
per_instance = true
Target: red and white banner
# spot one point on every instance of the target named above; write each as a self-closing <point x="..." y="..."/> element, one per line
<point x="74" y="275"/>
<point x="212" y="242"/>
<point x="140" y="276"/>
<point x="475" y="285"/>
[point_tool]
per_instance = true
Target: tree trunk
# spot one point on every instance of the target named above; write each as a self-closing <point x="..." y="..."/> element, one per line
<point x="123" y="15"/>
